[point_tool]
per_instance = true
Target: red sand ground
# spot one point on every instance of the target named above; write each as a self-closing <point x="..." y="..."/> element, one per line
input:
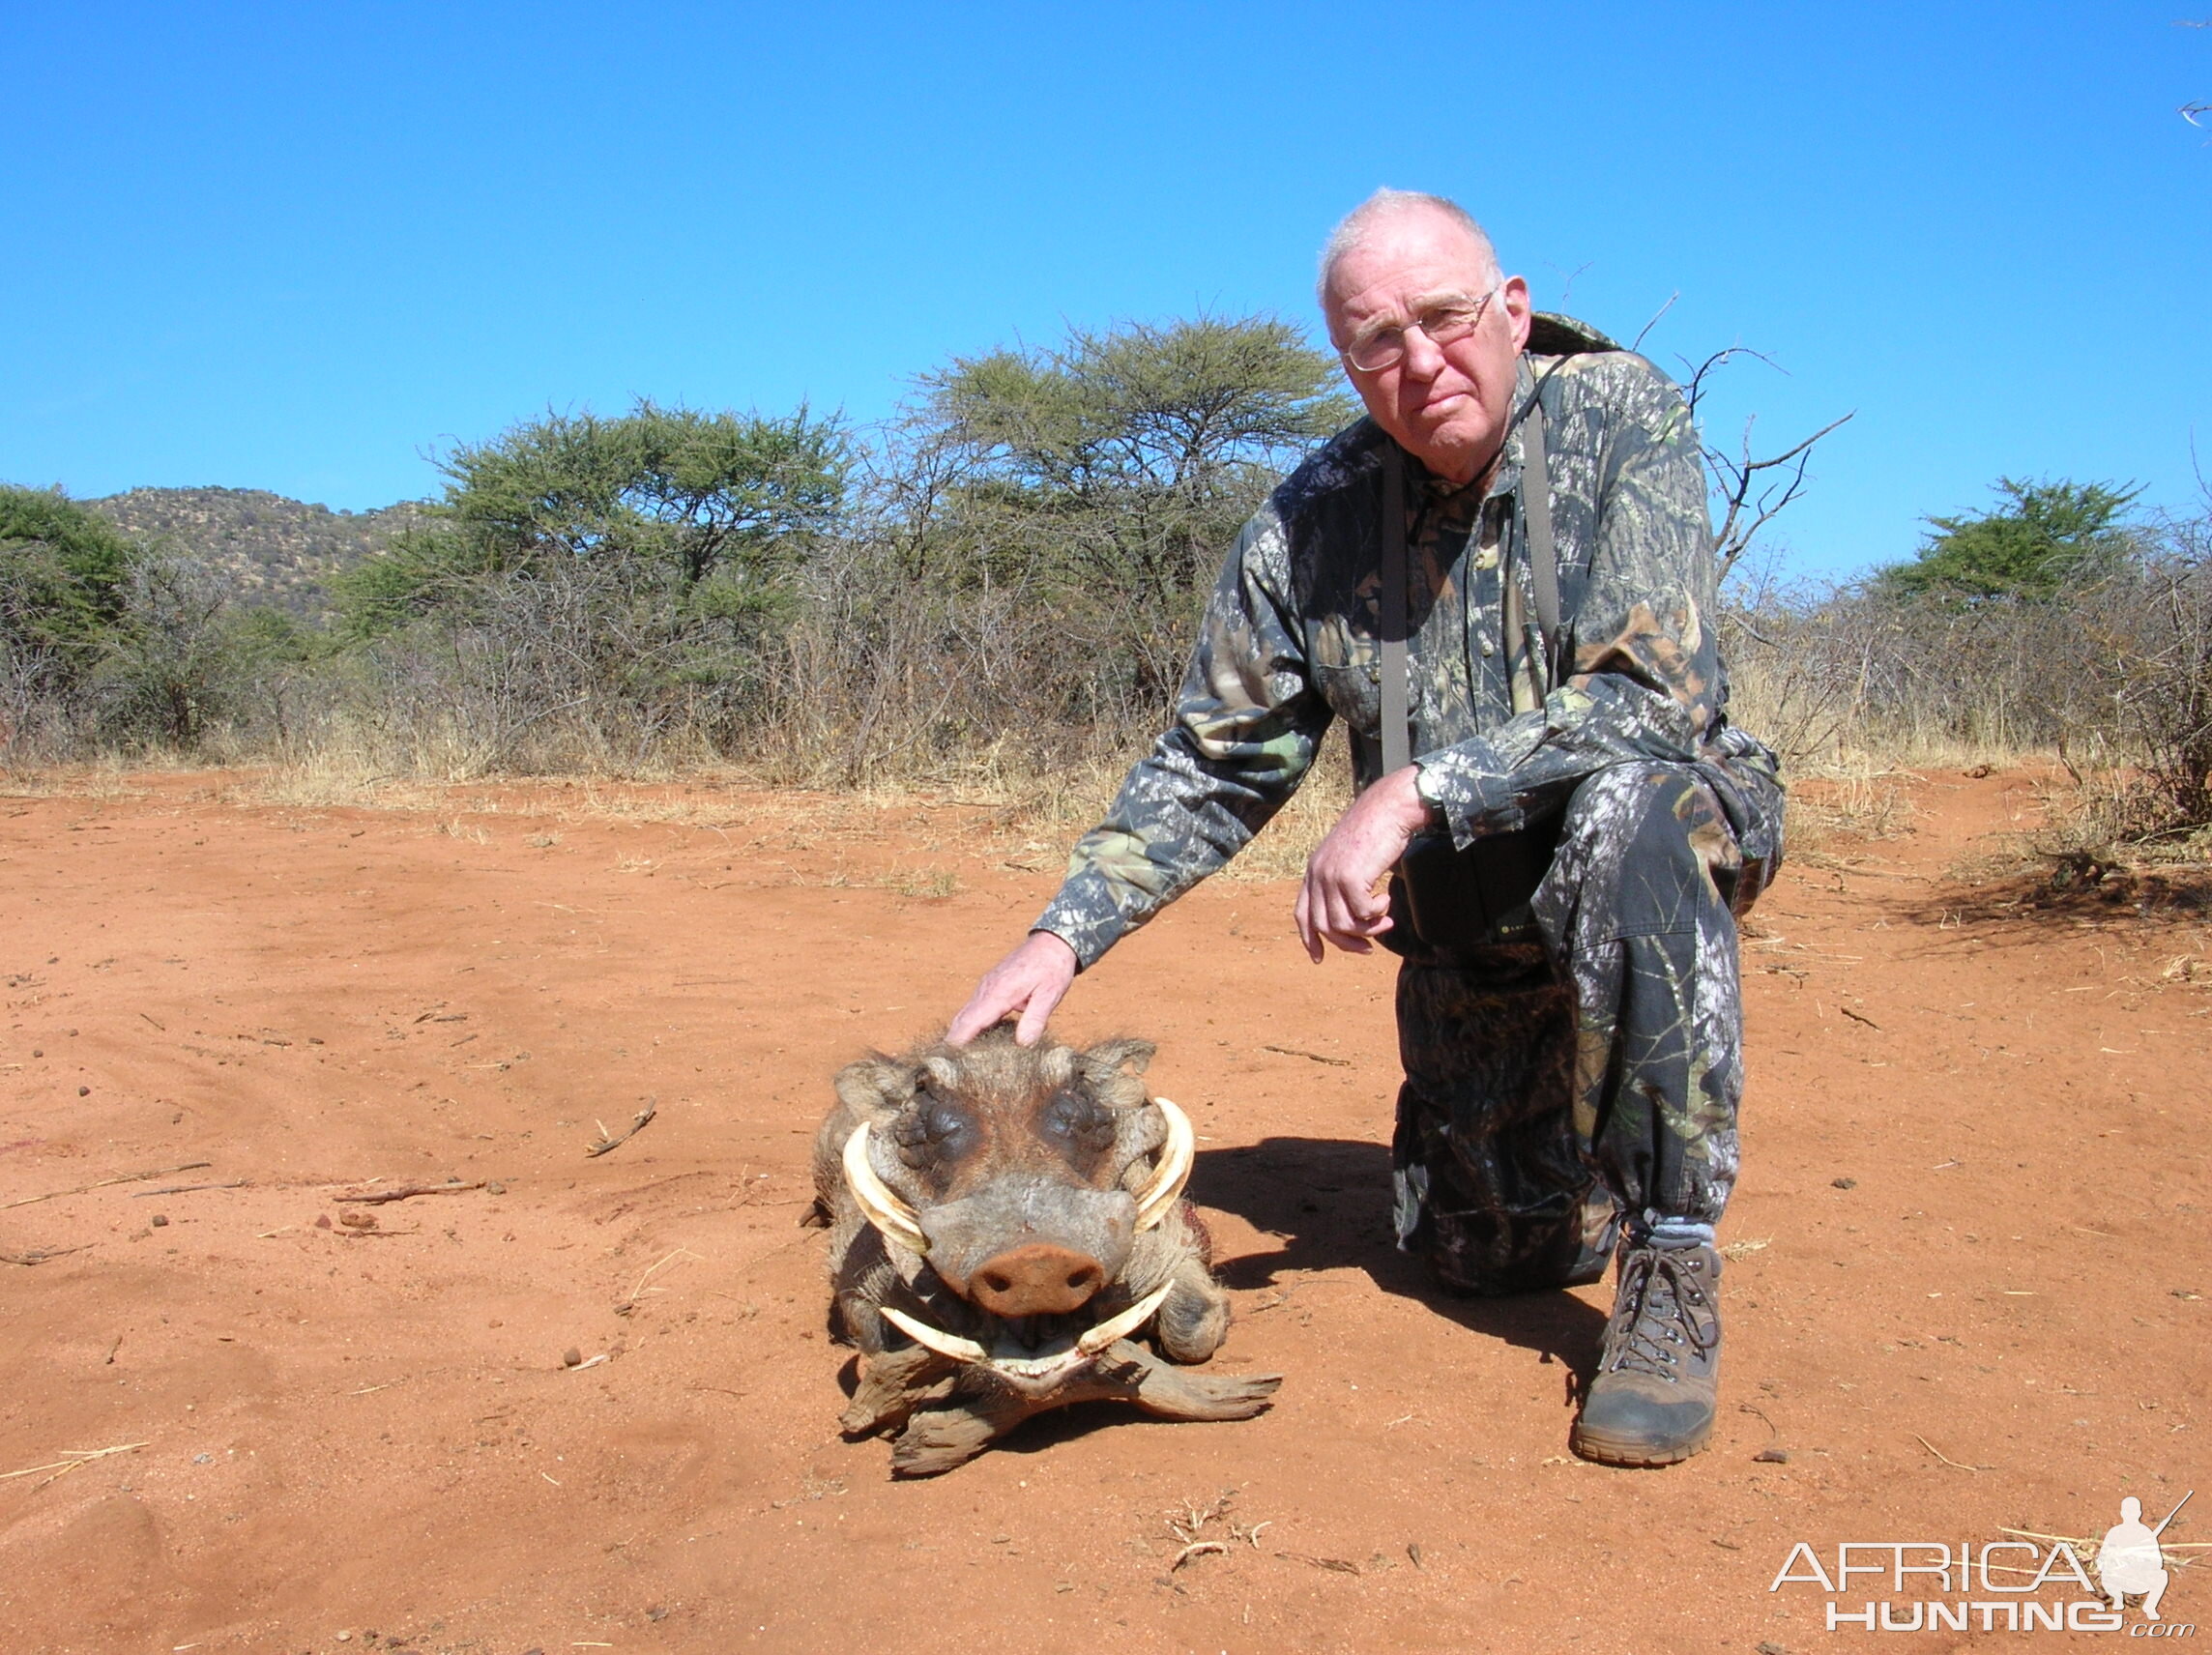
<point x="354" y="1435"/>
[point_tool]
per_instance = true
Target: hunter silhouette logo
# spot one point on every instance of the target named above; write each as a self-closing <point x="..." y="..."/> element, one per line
<point x="2027" y="1581"/>
<point x="2129" y="1560"/>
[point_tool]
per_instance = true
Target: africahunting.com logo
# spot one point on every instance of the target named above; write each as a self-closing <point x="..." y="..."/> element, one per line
<point x="2028" y="1583"/>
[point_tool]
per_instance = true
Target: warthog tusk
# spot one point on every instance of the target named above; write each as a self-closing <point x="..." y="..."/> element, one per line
<point x="1177" y="1155"/>
<point x="1093" y="1341"/>
<point x="935" y="1338"/>
<point x="879" y="1202"/>
<point x="1122" y="1326"/>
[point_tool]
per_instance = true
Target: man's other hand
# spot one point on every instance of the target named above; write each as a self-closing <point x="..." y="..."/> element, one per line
<point x="1029" y="980"/>
<point x="1338" y="901"/>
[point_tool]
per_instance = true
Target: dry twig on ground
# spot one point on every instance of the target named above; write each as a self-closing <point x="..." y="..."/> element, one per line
<point x="1189" y="1521"/>
<point x="407" y="1192"/>
<point x="39" y="1255"/>
<point x="71" y="1460"/>
<point x="608" y="1141"/>
<point x="125" y="1179"/>
<point x="1945" y="1458"/>
<point x="1310" y="1056"/>
<point x="630" y="1299"/>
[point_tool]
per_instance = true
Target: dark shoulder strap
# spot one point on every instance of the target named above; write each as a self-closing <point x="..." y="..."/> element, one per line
<point x="1543" y="558"/>
<point x="1397" y="728"/>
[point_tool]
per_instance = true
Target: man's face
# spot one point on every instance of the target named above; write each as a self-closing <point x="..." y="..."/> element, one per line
<point x="1447" y="405"/>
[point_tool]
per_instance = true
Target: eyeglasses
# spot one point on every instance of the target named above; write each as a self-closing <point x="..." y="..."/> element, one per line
<point x="1443" y="323"/>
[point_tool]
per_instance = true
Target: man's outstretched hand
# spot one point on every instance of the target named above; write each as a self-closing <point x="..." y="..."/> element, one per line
<point x="1029" y="980"/>
<point x="1338" y="902"/>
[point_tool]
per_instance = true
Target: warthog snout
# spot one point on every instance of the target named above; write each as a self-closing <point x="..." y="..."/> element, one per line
<point x="1037" y="1280"/>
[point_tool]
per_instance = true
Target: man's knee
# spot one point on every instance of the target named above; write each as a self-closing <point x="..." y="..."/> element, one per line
<point x="1638" y="803"/>
<point x="1643" y="846"/>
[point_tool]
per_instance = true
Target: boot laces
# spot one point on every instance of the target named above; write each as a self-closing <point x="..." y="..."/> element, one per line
<point x="1664" y="1309"/>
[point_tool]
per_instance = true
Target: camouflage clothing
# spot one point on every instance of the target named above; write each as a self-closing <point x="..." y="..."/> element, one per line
<point x="1615" y="1043"/>
<point x="1614" y="1046"/>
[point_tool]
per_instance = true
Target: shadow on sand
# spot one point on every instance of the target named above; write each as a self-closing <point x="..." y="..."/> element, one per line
<point x="1327" y="1201"/>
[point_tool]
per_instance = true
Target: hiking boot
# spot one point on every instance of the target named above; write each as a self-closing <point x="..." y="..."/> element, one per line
<point x="1652" y="1403"/>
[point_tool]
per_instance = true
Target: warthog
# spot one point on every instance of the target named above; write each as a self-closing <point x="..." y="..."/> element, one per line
<point x="1004" y="1221"/>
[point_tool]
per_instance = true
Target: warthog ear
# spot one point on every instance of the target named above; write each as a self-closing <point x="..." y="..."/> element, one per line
<point x="1116" y="1060"/>
<point x="876" y="1086"/>
<point x="1110" y="1070"/>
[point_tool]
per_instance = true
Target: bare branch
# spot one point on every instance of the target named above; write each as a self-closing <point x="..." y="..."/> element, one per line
<point x="1568" y="280"/>
<point x="1738" y="476"/>
<point x="1696" y="388"/>
<point x="1785" y="458"/>
<point x="1643" y="332"/>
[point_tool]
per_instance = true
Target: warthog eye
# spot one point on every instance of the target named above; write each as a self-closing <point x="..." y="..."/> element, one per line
<point x="1077" y="1124"/>
<point x="933" y="1132"/>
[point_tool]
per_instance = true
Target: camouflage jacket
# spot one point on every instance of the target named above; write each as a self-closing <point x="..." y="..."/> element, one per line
<point x="1291" y="639"/>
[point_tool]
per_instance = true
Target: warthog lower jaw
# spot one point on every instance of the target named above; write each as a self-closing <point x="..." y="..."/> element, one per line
<point x="1043" y="1371"/>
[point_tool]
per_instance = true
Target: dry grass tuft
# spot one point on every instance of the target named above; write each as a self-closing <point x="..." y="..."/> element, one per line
<point x="326" y="779"/>
<point x="1848" y="803"/>
<point x="103" y="779"/>
<point x="2087" y="851"/>
<point x="925" y="884"/>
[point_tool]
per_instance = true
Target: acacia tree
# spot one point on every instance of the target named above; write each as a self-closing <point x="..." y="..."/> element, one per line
<point x="709" y="508"/>
<point x="2048" y="536"/>
<point x="1125" y="458"/>
<point x="1031" y="540"/>
<point x="590" y="587"/>
<point x="63" y="569"/>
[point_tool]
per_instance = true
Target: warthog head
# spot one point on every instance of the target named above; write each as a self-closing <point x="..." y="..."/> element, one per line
<point x="1018" y="1162"/>
<point x="1012" y="1215"/>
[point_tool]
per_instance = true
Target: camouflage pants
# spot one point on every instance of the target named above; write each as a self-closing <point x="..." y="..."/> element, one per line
<point x="1552" y="1088"/>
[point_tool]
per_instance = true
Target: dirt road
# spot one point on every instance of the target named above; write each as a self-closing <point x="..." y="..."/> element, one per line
<point x="1968" y="1286"/>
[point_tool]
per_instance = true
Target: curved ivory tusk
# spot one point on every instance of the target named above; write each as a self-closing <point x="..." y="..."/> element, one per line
<point x="933" y="1337"/>
<point x="1122" y="1326"/>
<point x="879" y="1202"/>
<point x="1173" y="1170"/>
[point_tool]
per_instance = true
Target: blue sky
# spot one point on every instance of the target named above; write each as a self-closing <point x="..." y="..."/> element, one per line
<point x="297" y="247"/>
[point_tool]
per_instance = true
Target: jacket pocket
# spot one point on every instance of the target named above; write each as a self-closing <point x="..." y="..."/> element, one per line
<point x="1347" y="671"/>
<point x="1354" y="694"/>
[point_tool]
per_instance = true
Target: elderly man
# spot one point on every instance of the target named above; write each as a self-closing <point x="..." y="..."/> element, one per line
<point x="1502" y="581"/>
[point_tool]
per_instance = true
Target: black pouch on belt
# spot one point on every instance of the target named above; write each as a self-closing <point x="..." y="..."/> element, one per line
<point x="1443" y="899"/>
<point x="1447" y="899"/>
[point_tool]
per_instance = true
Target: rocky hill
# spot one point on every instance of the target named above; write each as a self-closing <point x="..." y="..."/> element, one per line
<point x="283" y="551"/>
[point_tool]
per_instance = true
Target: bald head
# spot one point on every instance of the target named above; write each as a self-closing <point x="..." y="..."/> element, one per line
<point x="1410" y="283"/>
<point x="1411" y="210"/>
